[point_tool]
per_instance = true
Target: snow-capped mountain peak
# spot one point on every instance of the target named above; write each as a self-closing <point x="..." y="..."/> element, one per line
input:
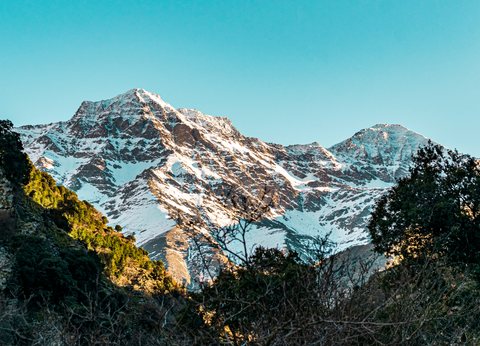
<point x="140" y="161"/>
<point x="384" y="147"/>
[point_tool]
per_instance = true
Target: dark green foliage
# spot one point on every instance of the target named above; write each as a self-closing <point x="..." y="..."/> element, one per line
<point x="43" y="273"/>
<point x="430" y="223"/>
<point x="84" y="267"/>
<point x="435" y="210"/>
<point x="13" y="161"/>
<point x="168" y="284"/>
<point x="63" y="291"/>
<point x="248" y="295"/>
<point x="158" y="272"/>
<point x="8" y="224"/>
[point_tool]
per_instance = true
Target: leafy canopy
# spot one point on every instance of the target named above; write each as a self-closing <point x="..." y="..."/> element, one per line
<point x="433" y="211"/>
<point x="244" y="296"/>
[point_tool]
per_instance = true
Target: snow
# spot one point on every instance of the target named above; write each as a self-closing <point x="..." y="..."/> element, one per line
<point x="124" y="172"/>
<point x="185" y="180"/>
<point x="47" y="163"/>
<point x="145" y="221"/>
<point x="261" y="236"/>
<point x="378" y="184"/>
<point x="93" y="195"/>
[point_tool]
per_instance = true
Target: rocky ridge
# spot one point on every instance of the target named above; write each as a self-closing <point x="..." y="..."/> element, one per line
<point x="140" y="161"/>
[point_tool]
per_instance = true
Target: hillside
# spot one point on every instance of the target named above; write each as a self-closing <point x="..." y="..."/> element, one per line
<point x="61" y="264"/>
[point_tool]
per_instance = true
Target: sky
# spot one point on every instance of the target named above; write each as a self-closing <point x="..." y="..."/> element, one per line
<point x="288" y="72"/>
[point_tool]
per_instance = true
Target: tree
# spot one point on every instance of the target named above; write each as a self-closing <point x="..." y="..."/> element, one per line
<point x="260" y="296"/>
<point x="435" y="211"/>
<point x="13" y="161"/>
<point x="238" y="304"/>
<point x="276" y="297"/>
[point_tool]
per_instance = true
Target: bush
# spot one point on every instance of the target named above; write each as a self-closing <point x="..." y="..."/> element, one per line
<point x="435" y="211"/>
<point x="39" y="272"/>
<point x="13" y="161"/>
<point x="8" y="224"/>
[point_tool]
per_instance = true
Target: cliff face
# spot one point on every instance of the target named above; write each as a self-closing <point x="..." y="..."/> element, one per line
<point x="140" y="161"/>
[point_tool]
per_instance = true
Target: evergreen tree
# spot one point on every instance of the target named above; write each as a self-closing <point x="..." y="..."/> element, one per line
<point x="13" y="161"/>
<point x="435" y="211"/>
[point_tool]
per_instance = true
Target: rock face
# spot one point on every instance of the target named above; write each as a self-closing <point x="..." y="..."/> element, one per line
<point x="139" y="161"/>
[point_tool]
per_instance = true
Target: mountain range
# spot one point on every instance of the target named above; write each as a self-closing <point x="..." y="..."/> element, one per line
<point x="140" y="162"/>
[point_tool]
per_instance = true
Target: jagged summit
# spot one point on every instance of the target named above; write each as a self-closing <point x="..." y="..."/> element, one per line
<point x="135" y="94"/>
<point x="382" y="132"/>
<point x="141" y="161"/>
<point x="395" y="127"/>
<point x="134" y="104"/>
<point x="139" y="103"/>
<point x="137" y="113"/>
<point x="394" y="130"/>
<point x="382" y="144"/>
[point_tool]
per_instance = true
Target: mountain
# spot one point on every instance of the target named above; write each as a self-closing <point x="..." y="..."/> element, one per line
<point x="140" y="161"/>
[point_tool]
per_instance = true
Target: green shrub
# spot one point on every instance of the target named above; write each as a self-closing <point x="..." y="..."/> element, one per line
<point x="83" y="222"/>
<point x="13" y="161"/>
<point x="42" y="273"/>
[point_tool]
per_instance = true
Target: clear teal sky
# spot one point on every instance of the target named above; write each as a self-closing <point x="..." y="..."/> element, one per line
<point x="284" y="71"/>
